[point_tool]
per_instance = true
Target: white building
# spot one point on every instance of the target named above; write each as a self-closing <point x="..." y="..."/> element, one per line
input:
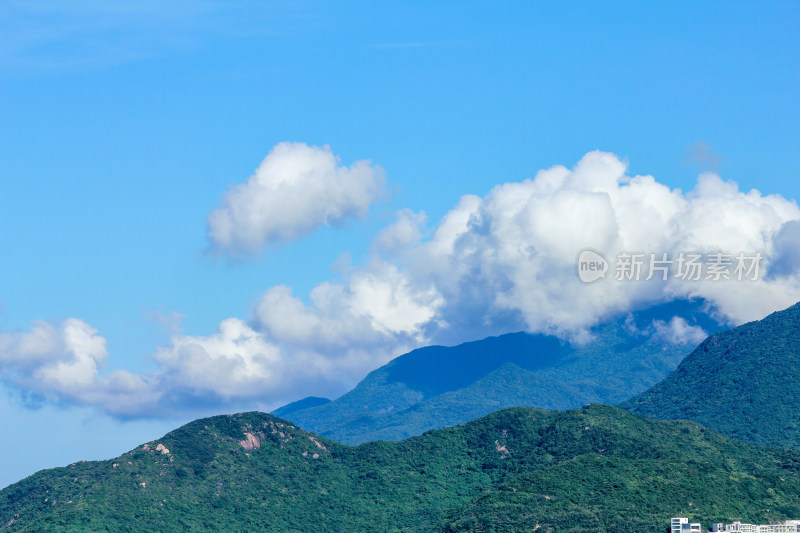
<point x="682" y="525"/>
<point x="789" y="526"/>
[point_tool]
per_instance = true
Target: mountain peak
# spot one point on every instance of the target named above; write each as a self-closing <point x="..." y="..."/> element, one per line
<point x="741" y="382"/>
<point x="306" y="403"/>
<point x="438" y="386"/>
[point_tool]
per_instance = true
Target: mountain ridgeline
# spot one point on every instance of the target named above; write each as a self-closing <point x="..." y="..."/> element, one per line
<point x="744" y="382"/>
<point x="440" y="386"/>
<point x="299" y="405"/>
<point x="598" y="468"/>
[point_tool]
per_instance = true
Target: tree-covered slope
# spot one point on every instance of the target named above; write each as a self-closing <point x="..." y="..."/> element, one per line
<point x="744" y="382"/>
<point x="437" y="386"/>
<point x="591" y="469"/>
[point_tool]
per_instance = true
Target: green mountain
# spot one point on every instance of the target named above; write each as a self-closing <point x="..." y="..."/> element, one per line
<point x="439" y="386"/>
<point x="744" y="383"/>
<point x="598" y="468"/>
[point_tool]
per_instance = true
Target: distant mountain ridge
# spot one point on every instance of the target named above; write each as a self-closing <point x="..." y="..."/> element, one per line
<point x="306" y="403"/>
<point x="438" y="386"/>
<point x="744" y="383"/>
<point x="598" y="468"/>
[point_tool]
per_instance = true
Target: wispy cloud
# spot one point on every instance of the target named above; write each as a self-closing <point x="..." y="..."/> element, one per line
<point x="64" y="35"/>
<point x="169" y="323"/>
<point x="702" y="155"/>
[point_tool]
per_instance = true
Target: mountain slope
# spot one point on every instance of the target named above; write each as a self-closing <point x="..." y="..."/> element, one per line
<point x="438" y="386"/>
<point x="597" y="468"/>
<point x="306" y="403"/>
<point x="744" y="382"/>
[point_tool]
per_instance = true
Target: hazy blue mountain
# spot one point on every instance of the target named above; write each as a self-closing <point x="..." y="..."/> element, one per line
<point x="438" y="386"/>
<point x="594" y="469"/>
<point x="744" y="382"/>
<point x="306" y="403"/>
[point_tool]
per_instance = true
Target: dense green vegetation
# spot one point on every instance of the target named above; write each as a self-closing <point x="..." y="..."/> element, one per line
<point x="591" y="469"/>
<point x="439" y="386"/>
<point x="744" y="383"/>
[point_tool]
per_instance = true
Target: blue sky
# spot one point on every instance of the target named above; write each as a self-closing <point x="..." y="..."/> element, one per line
<point x="122" y="127"/>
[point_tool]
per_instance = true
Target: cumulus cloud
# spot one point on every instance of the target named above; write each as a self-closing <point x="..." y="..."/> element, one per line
<point x="235" y="360"/>
<point x="62" y="361"/>
<point x="509" y="258"/>
<point x="502" y="262"/>
<point x="378" y="301"/>
<point x="400" y="234"/>
<point x="296" y="189"/>
<point x="349" y="329"/>
<point x="288" y="350"/>
<point x="678" y="331"/>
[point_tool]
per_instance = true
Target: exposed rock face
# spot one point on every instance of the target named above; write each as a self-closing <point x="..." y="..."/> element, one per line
<point x="319" y="445"/>
<point x="251" y="442"/>
<point x="163" y="449"/>
<point x="502" y="449"/>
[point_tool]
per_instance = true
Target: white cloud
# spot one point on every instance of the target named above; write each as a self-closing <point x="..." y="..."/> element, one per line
<point x="512" y="253"/>
<point x="492" y="264"/>
<point x="235" y="361"/>
<point x="349" y="329"/>
<point x="296" y="189"/>
<point x="404" y="231"/>
<point x="378" y="301"/>
<point x="86" y="352"/>
<point x="385" y="295"/>
<point x="65" y="355"/>
<point x="678" y="331"/>
<point x="61" y="361"/>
